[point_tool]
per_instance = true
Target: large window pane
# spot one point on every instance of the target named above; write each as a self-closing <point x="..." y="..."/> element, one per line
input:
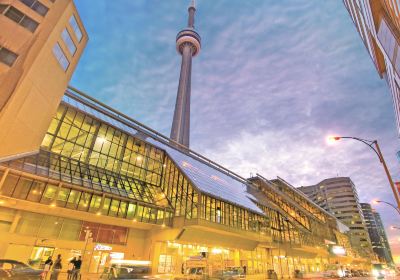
<point x="106" y="206"/>
<point x="120" y="235"/>
<point x="36" y="191"/>
<point x="14" y="14"/>
<point x="9" y="185"/>
<point x="22" y="188"/>
<point x="49" y="194"/>
<point x="29" y="224"/>
<point x="60" y="56"/>
<point x="51" y="227"/>
<point x="106" y="234"/>
<point x="7" y="57"/>
<point x="63" y="197"/>
<point x="92" y="227"/>
<point x="84" y="202"/>
<point x="122" y="209"/>
<point x="95" y="204"/>
<point x="114" y="208"/>
<point x="131" y="211"/>
<point x="29" y="24"/>
<point x="70" y="229"/>
<point x="73" y="199"/>
<point x="40" y="8"/>
<point x="36" y="6"/>
<point x="68" y="41"/>
<point x="75" y="27"/>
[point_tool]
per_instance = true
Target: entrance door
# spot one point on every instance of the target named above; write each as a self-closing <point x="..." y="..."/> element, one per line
<point x="40" y="255"/>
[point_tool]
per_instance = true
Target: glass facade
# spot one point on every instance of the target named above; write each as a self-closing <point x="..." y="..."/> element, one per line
<point x="217" y="211"/>
<point x="70" y="197"/>
<point x="92" y="160"/>
<point x="45" y="226"/>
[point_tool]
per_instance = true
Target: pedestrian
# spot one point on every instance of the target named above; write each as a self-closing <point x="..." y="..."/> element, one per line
<point x="71" y="266"/>
<point x="77" y="268"/>
<point x="47" y="265"/>
<point x="56" y="268"/>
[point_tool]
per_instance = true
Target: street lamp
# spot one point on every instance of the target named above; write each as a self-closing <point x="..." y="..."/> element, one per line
<point x="394" y="227"/>
<point x="387" y="203"/>
<point x="375" y="147"/>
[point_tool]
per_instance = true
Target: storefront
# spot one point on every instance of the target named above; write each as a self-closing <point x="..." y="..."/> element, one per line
<point x="101" y="256"/>
<point x="179" y="258"/>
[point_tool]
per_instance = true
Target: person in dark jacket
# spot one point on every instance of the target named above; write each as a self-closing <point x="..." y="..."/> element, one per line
<point x="77" y="268"/>
<point x="47" y="266"/>
<point x="71" y="266"/>
<point x="57" y="266"/>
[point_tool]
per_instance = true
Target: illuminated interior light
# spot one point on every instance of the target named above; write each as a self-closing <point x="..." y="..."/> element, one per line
<point x="101" y="140"/>
<point x="216" y="250"/>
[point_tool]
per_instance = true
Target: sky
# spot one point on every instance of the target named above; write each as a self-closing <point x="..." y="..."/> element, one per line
<point x="272" y="81"/>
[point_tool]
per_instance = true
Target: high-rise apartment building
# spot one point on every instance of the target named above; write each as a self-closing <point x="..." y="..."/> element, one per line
<point x="339" y="197"/>
<point x="377" y="233"/>
<point x="41" y="42"/>
<point x="378" y="23"/>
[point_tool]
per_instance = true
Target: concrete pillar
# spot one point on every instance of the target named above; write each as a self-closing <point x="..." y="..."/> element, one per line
<point x="15" y="222"/>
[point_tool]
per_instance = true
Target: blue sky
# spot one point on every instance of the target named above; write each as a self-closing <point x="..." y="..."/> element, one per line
<point x="273" y="79"/>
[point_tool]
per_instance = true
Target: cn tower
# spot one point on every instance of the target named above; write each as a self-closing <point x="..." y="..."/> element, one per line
<point x="188" y="43"/>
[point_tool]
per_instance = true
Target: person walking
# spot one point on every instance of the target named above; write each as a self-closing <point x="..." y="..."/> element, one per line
<point x="47" y="266"/>
<point x="56" y="268"/>
<point x="70" y="270"/>
<point x="77" y="269"/>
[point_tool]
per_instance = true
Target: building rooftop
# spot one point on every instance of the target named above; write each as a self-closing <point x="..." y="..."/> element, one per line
<point x="206" y="175"/>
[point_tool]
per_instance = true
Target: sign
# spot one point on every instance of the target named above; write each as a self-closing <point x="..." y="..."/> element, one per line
<point x="117" y="256"/>
<point x="338" y="250"/>
<point x="101" y="247"/>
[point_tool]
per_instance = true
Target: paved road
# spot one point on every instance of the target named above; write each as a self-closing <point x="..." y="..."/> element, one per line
<point x="367" y="278"/>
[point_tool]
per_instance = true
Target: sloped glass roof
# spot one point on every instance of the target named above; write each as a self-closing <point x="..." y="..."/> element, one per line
<point x="72" y="171"/>
<point x="207" y="178"/>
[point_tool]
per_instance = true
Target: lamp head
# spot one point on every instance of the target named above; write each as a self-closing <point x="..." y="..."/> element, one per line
<point x="332" y="139"/>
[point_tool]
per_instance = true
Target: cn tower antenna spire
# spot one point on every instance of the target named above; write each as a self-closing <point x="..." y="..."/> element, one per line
<point x="188" y="44"/>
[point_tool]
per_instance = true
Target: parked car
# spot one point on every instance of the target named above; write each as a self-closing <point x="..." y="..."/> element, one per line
<point x="128" y="270"/>
<point x="355" y="273"/>
<point x="332" y="273"/>
<point x="347" y="273"/>
<point x="228" y="274"/>
<point x="18" y="271"/>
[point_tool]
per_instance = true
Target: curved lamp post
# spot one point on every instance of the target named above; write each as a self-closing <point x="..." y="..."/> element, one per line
<point x="387" y="203"/>
<point x="375" y="147"/>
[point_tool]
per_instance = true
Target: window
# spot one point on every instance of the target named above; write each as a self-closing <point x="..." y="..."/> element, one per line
<point x="36" y="6"/>
<point x="68" y="41"/>
<point x="75" y="27"/>
<point x="60" y="56"/>
<point x="20" y="18"/>
<point x="3" y="8"/>
<point x="49" y="194"/>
